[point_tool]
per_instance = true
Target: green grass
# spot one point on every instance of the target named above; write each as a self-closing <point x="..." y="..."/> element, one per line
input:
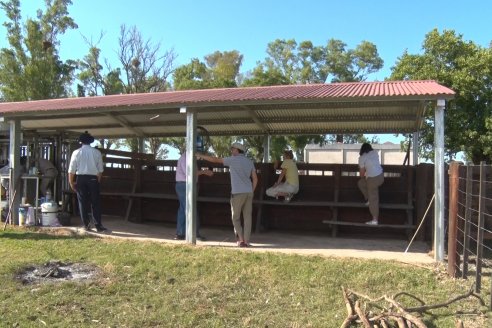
<point x="144" y="284"/>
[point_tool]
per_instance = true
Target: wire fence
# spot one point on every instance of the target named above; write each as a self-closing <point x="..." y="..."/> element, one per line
<point x="470" y="224"/>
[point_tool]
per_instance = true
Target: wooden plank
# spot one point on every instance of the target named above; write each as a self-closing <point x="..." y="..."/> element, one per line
<point x="334" y="204"/>
<point x="357" y="224"/>
<point x="127" y="154"/>
<point x="214" y="199"/>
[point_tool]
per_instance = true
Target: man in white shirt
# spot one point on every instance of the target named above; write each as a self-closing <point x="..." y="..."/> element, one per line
<point x="85" y="172"/>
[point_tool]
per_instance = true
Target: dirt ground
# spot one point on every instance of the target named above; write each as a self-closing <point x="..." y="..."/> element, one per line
<point x="273" y="241"/>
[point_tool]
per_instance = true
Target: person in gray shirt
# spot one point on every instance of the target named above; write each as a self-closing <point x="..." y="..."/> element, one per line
<point x="243" y="185"/>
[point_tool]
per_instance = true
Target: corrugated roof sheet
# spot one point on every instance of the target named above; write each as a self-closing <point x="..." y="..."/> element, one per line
<point x="333" y="91"/>
<point x="362" y="107"/>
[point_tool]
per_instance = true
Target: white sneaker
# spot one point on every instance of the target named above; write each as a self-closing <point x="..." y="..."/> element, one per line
<point x="367" y="203"/>
<point x="372" y="222"/>
<point x="288" y="198"/>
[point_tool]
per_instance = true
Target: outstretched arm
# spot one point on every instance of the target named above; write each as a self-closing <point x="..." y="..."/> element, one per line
<point x="210" y="159"/>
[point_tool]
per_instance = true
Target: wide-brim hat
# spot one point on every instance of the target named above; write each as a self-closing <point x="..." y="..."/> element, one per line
<point x="86" y="138"/>
<point x="239" y="146"/>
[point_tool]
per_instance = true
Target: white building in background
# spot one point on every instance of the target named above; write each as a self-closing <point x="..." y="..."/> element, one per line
<point x="389" y="153"/>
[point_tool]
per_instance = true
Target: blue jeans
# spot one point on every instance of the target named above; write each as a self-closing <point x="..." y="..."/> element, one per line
<point x="181" y="216"/>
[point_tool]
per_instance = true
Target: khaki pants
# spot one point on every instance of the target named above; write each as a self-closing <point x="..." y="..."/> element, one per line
<point x="242" y="203"/>
<point x="370" y="189"/>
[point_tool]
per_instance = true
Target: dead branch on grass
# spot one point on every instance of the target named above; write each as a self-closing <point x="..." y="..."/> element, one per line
<point x="394" y="314"/>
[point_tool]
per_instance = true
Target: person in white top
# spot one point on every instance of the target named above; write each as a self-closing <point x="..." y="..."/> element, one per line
<point x="85" y="172"/>
<point x="371" y="178"/>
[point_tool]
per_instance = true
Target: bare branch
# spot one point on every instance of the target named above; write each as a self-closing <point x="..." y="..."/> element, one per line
<point x="362" y="315"/>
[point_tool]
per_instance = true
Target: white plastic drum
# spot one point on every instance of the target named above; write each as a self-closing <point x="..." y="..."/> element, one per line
<point x="30" y="220"/>
<point x="49" y="212"/>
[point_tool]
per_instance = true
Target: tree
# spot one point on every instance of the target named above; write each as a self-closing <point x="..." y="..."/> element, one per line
<point x="31" y="68"/>
<point x="91" y="71"/>
<point x="144" y="68"/>
<point x="293" y="63"/>
<point x="194" y="75"/>
<point x="220" y="70"/>
<point x="351" y="65"/>
<point x="261" y="76"/>
<point x="353" y="139"/>
<point x="156" y="147"/>
<point x="222" y="145"/>
<point x="467" y="69"/>
<point x="224" y="68"/>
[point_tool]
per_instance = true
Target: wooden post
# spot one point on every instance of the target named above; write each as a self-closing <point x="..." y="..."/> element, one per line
<point x="137" y="166"/>
<point x="264" y="179"/>
<point x="337" y="172"/>
<point x="453" y="218"/>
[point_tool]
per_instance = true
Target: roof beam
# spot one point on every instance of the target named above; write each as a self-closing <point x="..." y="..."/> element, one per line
<point x="123" y="122"/>
<point x="235" y="121"/>
<point x="256" y="119"/>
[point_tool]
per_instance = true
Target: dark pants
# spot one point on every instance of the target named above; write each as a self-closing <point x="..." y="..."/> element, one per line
<point x="89" y="196"/>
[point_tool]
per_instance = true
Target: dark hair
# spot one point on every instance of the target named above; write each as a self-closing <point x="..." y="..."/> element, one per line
<point x="365" y="148"/>
<point x="86" y="139"/>
<point x="289" y="154"/>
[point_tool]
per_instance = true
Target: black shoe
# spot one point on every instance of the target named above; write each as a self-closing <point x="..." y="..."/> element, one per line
<point x="179" y="237"/>
<point x="87" y="229"/>
<point x="102" y="229"/>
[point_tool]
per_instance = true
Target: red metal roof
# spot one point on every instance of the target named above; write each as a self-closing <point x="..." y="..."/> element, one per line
<point x="273" y="94"/>
<point x="363" y="107"/>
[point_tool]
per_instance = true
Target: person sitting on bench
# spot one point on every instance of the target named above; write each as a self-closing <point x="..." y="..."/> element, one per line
<point x="290" y="186"/>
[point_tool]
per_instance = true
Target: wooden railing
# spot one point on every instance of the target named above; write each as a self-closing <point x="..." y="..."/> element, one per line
<point x="328" y="199"/>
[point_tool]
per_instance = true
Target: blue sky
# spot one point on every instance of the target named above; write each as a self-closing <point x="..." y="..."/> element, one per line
<point x="195" y="28"/>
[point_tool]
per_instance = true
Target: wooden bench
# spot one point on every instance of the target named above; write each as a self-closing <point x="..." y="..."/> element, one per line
<point x="334" y="187"/>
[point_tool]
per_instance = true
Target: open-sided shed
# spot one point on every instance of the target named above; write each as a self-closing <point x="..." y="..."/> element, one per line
<point x="337" y="108"/>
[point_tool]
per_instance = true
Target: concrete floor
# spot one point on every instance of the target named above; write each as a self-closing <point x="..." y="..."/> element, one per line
<point x="274" y="241"/>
